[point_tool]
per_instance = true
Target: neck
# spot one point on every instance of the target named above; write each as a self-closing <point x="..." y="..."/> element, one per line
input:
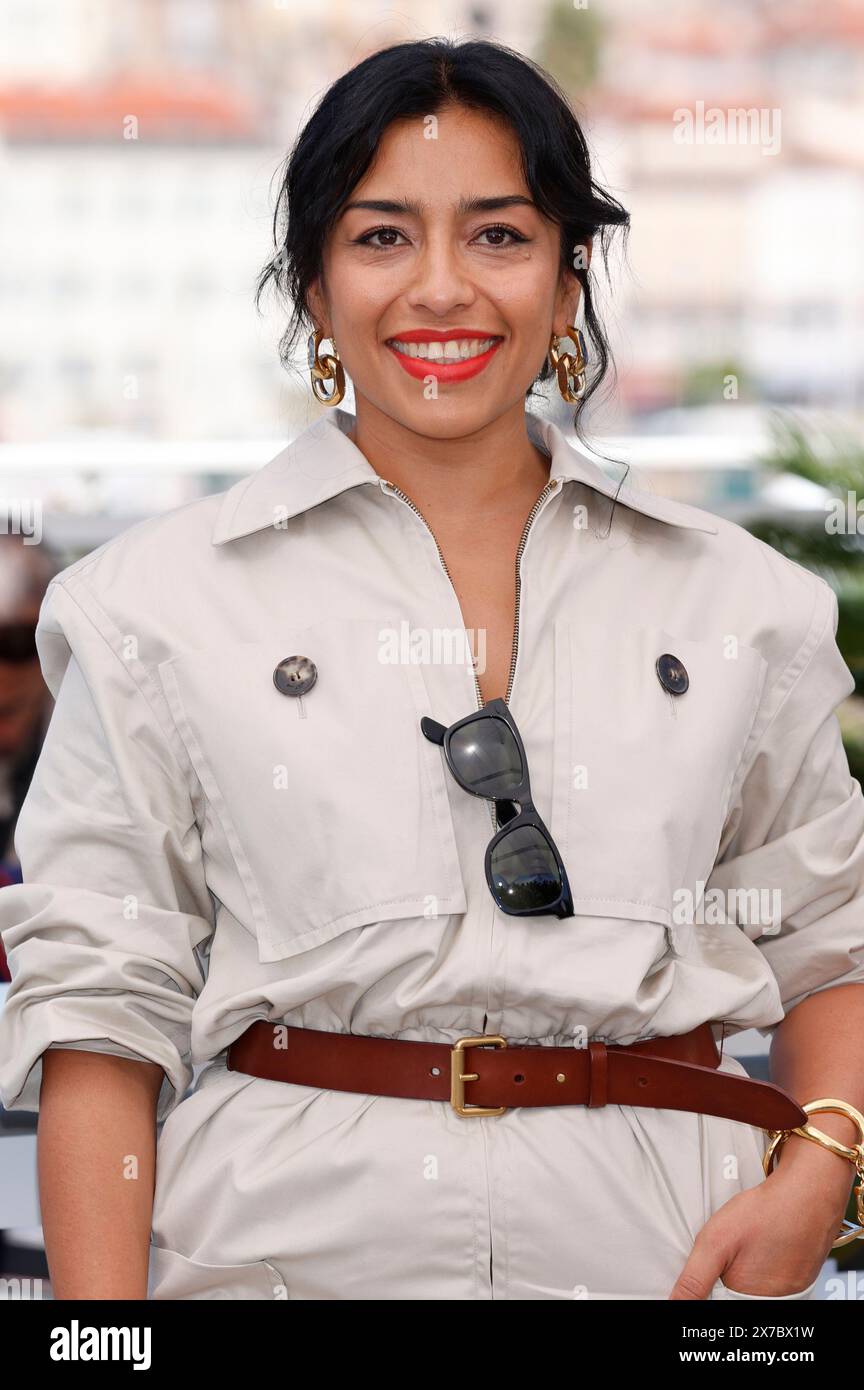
<point x="495" y="468"/>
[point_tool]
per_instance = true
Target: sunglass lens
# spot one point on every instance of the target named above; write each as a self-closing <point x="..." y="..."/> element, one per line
<point x="486" y="756"/>
<point x="524" y="872"/>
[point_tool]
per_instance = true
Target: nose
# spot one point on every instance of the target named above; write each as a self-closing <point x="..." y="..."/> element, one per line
<point x="440" y="281"/>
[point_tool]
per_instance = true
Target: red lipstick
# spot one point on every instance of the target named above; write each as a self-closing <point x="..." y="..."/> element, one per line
<point x="420" y="367"/>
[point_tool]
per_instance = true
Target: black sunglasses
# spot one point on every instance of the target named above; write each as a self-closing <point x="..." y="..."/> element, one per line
<point x="486" y="755"/>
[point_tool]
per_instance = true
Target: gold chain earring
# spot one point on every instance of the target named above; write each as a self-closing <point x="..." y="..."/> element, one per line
<point x="570" y="365"/>
<point x="326" y="368"/>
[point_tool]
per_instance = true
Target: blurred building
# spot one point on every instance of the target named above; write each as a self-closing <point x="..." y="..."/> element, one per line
<point x="745" y="251"/>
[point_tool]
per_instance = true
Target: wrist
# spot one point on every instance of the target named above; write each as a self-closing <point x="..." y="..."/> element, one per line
<point x="826" y="1174"/>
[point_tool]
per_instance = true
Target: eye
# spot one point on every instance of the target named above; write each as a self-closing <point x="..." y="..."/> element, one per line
<point x="367" y="238"/>
<point x="500" y="230"/>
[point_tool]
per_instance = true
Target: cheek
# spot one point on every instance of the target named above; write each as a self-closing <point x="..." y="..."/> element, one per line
<point x="529" y="315"/>
<point x="360" y="303"/>
<point x="524" y="291"/>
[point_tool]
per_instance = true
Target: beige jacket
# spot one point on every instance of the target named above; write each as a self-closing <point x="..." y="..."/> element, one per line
<point x="199" y="850"/>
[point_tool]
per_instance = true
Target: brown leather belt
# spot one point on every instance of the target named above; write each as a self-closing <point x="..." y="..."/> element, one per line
<point x="485" y="1076"/>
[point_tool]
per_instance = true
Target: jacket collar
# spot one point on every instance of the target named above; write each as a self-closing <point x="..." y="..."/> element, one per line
<point x="322" y="462"/>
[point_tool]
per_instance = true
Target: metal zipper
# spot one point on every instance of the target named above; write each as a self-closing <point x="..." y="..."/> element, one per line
<point x="550" y="486"/>
<point x="399" y="493"/>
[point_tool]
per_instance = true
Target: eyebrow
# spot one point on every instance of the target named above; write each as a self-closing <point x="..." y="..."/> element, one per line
<point x="465" y="205"/>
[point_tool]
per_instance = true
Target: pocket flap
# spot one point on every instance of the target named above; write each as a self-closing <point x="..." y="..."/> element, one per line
<point x="333" y="804"/>
<point x="643" y="788"/>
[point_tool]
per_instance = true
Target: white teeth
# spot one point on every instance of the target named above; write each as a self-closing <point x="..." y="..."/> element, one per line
<point x="453" y="350"/>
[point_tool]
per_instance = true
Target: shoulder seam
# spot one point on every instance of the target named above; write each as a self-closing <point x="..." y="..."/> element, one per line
<point x="86" y="562"/>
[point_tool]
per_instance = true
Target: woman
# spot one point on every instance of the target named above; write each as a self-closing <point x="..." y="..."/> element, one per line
<point x="252" y="825"/>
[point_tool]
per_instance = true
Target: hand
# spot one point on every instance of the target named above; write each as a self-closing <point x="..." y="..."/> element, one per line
<point x="772" y="1239"/>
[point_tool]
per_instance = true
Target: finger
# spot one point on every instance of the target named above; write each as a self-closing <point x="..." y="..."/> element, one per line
<point x="699" y="1274"/>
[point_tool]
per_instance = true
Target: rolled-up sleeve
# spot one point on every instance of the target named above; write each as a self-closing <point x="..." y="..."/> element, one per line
<point x="795" y="833"/>
<point x="106" y="935"/>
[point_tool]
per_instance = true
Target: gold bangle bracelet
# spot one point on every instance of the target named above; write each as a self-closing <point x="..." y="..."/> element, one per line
<point x="849" y="1231"/>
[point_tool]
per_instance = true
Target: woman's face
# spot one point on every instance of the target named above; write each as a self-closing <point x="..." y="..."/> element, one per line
<point x="429" y="272"/>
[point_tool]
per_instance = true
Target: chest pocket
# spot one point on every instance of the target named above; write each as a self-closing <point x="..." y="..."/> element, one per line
<point x="333" y="804"/>
<point x="645" y="776"/>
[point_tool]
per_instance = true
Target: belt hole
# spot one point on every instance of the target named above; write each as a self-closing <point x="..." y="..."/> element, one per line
<point x="435" y="1071"/>
<point x="560" y="1076"/>
<point x="643" y="1080"/>
<point x="518" y="1076"/>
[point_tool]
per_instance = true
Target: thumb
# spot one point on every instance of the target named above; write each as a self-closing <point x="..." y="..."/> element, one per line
<point x="701" y="1272"/>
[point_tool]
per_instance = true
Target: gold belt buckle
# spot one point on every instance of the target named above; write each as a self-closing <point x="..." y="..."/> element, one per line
<point x="458" y="1077"/>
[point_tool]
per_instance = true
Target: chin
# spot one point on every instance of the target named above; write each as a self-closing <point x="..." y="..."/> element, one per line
<point x="446" y="417"/>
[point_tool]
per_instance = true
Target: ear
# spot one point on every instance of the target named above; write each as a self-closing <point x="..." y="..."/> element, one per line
<point x="570" y="287"/>
<point x="316" y="304"/>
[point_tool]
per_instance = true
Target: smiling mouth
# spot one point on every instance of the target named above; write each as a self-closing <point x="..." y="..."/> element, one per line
<point x="450" y="350"/>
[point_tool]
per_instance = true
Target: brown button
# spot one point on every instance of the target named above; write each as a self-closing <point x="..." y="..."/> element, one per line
<point x="295" y="675"/>
<point x="672" y="673"/>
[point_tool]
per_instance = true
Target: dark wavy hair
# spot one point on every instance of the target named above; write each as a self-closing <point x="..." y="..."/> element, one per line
<point x="338" y="144"/>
